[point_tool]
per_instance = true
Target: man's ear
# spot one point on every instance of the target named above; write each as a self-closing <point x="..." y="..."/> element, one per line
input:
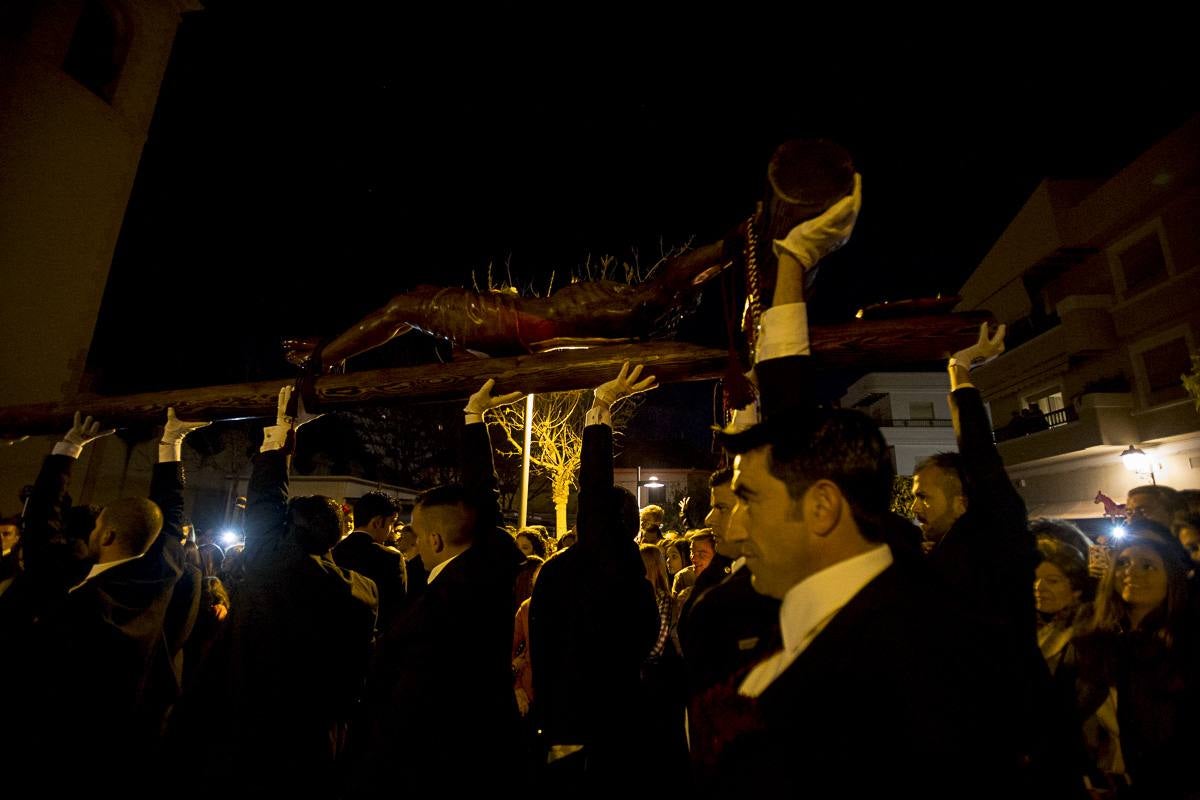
<point x="823" y="507"/>
<point x="108" y="537"/>
<point x="437" y="542"/>
<point x="960" y="504"/>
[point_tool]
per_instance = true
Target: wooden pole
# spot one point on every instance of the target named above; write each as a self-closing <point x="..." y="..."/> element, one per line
<point x="862" y="344"/>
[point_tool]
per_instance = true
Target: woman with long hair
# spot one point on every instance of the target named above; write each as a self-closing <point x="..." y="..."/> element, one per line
<point x="678" y="554"/>
<point x="656" y="573"/>
<point x="1140" y="646"/>
<point x="532" y="542"/>
<point x="662" y="672"/>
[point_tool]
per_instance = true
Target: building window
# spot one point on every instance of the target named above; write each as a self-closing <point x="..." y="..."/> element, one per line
<point x="1140" y="261"/>
<point x="920" y="410"/>
<point x="1050" y="404"/>
<point x="1163" y="367"/>
<point x="1047" y="401"/>
<point x="1053" y="409"/>
<point x="99" y="47"/>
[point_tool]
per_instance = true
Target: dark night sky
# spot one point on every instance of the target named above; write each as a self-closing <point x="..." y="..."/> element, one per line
<point x="299" y="172"/>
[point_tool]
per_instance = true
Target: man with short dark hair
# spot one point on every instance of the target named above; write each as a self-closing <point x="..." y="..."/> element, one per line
<point x="874" y="662"/>
<point x="703" y="549"/>
<point x="1156" y="503"/>
<point x="939" y="498"/>
<point x="981" y="550"/>
<point x="10" y="534"/>
<point x="364" y="550"/>
<point x="721" y="501"/>
<point x="874" y="689"/>
<point x="727" y="628"/>
<point x="442" y="676"/>
<point x="593" y="621"/>
<point x="300" y="633"/>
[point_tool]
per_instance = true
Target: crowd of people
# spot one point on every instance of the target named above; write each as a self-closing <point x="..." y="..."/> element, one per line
<point x="806" y="639"/>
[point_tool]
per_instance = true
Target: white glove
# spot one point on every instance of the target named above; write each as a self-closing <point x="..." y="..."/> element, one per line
<point x="483" y="400"/>
<point x="170" y="446"/>
<point x="625" y="384"/>
<point x="81" y="434"/>
<point x="813" y="239"/>
<point x="275" y="436"/>
<point x="743" y="418"/>
<point x="982" y="351"/>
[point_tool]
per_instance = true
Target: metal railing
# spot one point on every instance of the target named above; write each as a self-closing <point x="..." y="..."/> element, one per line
<point x="1060" y="417"/>
<point x="1030" y="423"/>
<point x="887" y="422"/>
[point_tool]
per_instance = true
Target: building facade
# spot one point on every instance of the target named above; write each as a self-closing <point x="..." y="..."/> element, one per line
<point x="1099" y="286"/>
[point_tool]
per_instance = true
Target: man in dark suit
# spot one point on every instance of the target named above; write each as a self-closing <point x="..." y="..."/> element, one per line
<point x="593" y="620"/>
<point x="981" y="550"/>
<point x="876" y="666"/>
<point x="299" y="638"/>
<point x="728" y="628"/>
<point x="873" y="690"/>
<point x="124" y="622"/>
<point x="364" y="551"/>
<point x="442" y="679"/>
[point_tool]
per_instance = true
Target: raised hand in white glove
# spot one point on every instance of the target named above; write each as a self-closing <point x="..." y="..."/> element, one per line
<point x="483" y="400"/>
<point x="625" y="384"/>
<point x="982" y="351"/>
<point x="170" y="446"/>
<point x="813" y="239"/>
<point x="275" y="436"/>
<point x="81" y="434"/>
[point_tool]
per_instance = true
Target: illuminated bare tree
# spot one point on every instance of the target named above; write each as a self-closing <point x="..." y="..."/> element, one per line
<point x="556" y="440"/>
<point x="556" y="443"/>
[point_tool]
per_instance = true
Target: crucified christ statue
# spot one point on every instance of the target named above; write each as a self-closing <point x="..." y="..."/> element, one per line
<point x="807" y="180"/>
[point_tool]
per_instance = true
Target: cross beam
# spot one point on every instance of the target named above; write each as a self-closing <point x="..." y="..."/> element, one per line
<point x="861" y="344"/>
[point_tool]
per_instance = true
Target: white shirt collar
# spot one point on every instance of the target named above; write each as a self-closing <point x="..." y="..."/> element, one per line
<point x="107" y="565"/>
<point x="433" y="573"/>
<point x="809" y="606"/>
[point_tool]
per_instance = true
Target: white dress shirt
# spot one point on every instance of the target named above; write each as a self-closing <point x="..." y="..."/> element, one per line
<point x="809" y="606"/>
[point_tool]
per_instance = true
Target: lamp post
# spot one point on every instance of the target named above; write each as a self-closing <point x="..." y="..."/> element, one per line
<point x="1136" y="461"/>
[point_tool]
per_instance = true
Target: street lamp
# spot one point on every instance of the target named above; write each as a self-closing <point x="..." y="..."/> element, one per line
<point x="653" y="483"/>
<point x="1136" y="461"/>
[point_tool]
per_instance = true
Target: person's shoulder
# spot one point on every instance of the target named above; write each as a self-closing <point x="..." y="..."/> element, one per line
<point x="385" y="553"/>
<point x="736" y="588"/>
<point x="560" y="565"/>
<point x="908" y="593"/>
<point x="354" y="539"/>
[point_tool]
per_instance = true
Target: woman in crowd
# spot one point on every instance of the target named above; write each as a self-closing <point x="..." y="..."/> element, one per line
<point x="678" y="555"/>
<point x="1140" y="647"/>
<point x="1061" y="587"/>
<point x="532" y="542"/>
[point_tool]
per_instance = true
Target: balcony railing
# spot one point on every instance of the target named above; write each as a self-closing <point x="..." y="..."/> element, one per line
<point x="887" y="422"/>
<point x="1060" y="417"/>
<point x="1030" y="422"/>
